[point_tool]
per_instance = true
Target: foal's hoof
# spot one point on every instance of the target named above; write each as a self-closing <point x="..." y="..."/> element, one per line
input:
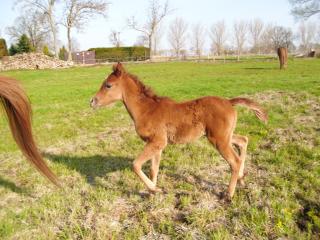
<point x="225" y="197"/>
<point x="156" y="190"/>
<point x="241" y="182"/>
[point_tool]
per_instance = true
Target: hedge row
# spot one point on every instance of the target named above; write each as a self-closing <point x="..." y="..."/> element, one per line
<point x="121" y="53"/>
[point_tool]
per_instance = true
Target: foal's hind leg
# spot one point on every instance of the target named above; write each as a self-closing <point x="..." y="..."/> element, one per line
<point x="225" y="148"/>
<point x="242" y="143"/>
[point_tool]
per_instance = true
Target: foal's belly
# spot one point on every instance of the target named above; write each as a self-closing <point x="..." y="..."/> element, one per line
<point x="184" y="133"/>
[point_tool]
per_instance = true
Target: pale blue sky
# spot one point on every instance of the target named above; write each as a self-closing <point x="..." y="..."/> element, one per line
<point x="206" y="12"/>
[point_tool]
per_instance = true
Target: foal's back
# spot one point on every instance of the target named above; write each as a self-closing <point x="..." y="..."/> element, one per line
<point x="187" y="121"/>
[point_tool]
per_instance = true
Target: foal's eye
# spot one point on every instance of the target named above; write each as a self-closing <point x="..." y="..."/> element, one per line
<point x="108" y="85"/>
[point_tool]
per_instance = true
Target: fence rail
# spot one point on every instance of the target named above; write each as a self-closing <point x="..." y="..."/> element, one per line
<point x="226" y="59"/>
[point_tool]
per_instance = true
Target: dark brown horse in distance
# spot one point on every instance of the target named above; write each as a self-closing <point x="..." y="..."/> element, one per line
<point x="283" y="57"/>
<point x="18" y="110"/>
<point x="160" y="121"/>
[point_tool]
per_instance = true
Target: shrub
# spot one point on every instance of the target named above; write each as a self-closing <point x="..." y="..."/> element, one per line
<point x="46" y="51"/>
<point x="3" y="48"/>
<point x="121" y="53"/>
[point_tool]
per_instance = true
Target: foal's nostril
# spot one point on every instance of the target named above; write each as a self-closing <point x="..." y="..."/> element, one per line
<point x="93" y="101"/>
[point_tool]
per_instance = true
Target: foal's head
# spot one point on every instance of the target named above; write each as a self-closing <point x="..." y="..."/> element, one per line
<point x="111" y="88"/>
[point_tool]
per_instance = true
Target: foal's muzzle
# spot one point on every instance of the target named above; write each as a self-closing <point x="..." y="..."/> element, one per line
<point x="93" y="102"/>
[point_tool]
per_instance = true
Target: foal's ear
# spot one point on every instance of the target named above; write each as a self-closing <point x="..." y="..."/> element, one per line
<point x="118" y="69"/>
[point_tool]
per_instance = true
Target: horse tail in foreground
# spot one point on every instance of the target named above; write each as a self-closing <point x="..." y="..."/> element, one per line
<point x="18" y="110"/>
<point x="258" y="110"/>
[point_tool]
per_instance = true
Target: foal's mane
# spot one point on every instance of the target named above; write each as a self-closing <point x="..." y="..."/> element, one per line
<point x="145" y="90"/>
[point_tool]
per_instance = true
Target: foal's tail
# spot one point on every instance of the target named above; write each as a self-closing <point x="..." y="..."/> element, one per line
<point x="258" y="110"/>
<point x="18" y="110"/>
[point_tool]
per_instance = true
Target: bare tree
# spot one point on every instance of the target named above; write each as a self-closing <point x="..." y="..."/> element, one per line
<point x="306" y="34"/>
<point x="255" y="31"/>
<point x="142" y="41"/>
<point x="198" y="39"/>
<point x="318" y="35"/>
<point x="240" y="33"/>
<point x="266" y="44"/>
<point x="305" y="8"/>
<point x="281" y="37"/>
<point x="156" y="39"/>
<point x="177" y="35"/>
<point x="114" y="38"/>
<point x="156" y="13"/>
<point x="34" y="26"/>
<point x="45" y="7"/>
<point x="77" y="13"/>
<point x="218" y="34"/>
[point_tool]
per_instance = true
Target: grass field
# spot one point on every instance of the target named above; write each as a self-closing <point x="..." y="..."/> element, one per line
<point x="92" y="153"/>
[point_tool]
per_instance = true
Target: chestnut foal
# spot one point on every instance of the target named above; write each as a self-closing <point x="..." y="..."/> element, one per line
<point x="160" y="121"/>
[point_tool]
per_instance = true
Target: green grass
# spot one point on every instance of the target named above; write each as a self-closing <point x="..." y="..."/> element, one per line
<point x="92" y="153"/>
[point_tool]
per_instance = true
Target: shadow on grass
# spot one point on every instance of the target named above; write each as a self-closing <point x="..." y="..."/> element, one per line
<point x="91" y="166"/>
<point x="11" y="186"/>
<point x="260" y="68"/>
<point x="217" y="189"/>
<point x="308" y="218"/>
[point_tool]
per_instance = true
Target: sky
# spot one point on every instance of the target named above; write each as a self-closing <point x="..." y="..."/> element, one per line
<point x="206" y="12"/>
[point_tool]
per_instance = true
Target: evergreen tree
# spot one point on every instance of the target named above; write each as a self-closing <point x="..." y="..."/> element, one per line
<point x="3" y="48"/>
<point x="63" y="53"/>
<point x="24" y="44"/>
<point x="13" y="50"/>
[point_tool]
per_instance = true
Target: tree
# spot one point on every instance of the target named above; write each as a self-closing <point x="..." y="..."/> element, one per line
<point x="218" y="35"/>
<point x="305" y="8"/>
<point x="3" y="48"/>
<point x="114" y="38"/>
<point x="13" y="50"/>
<point x="177" y="35"/>
<point x="156" y="13"/>
<point x="255" y="31"/>
<point x="33" y="25"/>
<point x="240" y="33"/>
<point x="281" y="37"/>
<point x="198" y="39"/>
<point x="63" y="53"/>
<point x="306" y="34"/>
<point x="24" y="45"/>
<point x="46" y="8"/>
<point x="77" y="14"/>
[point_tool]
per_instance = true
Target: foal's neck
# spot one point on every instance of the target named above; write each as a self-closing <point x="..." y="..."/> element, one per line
<point x="134" y="100"/>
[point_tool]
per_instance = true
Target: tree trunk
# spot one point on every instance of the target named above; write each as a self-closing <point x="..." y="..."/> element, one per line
<point x="150" y="47"/>
<point x="54" y="31"/>
<point x="69" y="44"/>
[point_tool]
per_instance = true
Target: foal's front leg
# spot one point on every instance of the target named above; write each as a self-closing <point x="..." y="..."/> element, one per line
<point x="151" y="150"/>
